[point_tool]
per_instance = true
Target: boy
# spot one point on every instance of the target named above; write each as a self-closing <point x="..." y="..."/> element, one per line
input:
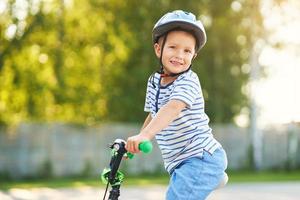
<point x="195" y="160"/>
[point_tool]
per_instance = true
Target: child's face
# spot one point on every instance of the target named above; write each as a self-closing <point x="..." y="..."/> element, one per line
<point x="178" y="52"/>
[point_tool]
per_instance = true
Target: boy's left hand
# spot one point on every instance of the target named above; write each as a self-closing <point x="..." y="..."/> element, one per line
<point x="132" y="144"/>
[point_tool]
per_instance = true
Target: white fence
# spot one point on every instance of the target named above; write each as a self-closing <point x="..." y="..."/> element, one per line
<point x="33" y="150"/>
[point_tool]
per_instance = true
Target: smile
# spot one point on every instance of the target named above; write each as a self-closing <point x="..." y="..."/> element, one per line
<point x="176" y="63"/>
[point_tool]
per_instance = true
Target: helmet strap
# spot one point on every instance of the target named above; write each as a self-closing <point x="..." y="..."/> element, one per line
<point x="161" y="71"/>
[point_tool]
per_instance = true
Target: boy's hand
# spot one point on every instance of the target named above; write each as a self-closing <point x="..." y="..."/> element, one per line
<point x="132" y="144"/>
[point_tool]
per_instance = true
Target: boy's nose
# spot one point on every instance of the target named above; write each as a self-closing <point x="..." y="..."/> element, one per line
<point x="179" y="55"/>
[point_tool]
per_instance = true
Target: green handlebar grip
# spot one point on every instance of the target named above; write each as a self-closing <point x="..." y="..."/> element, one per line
<point x="146" y="146"/>
<point x="130" y="155"/>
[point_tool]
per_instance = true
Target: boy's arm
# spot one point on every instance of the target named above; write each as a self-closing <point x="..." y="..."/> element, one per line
<point x="163" y="118"/>
<point x="147" y="121"/>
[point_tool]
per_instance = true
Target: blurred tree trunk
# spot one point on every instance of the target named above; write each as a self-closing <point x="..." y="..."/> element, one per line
<point x="59" y="52"/>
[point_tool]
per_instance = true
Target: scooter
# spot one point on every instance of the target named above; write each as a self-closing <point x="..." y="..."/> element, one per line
<point x="112" y="176"/>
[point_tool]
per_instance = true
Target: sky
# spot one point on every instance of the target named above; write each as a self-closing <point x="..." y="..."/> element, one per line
<point x="277" y="93"/>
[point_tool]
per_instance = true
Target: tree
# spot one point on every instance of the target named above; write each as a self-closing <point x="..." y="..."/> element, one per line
<point x="89" y="61"/>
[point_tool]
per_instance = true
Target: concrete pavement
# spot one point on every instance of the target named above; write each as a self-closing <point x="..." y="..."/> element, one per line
<point x="236" y="191"/>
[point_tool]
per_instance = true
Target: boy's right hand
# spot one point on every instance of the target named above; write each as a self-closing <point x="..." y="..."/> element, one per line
<point x="132" y="144"/>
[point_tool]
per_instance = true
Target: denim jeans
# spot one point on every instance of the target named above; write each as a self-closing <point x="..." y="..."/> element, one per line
<point x="195" y="178"/>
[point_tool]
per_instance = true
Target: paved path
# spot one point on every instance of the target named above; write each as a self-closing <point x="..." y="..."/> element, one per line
<point x="243" y="191"/>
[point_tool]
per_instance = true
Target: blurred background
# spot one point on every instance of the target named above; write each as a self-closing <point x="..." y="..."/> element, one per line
<point x="73" y="77"/>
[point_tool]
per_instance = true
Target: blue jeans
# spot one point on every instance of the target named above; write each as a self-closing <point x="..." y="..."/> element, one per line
<point x="195" y="178"/>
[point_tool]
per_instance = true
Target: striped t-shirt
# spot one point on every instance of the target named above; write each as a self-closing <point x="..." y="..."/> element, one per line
<point x="189" y="134"/>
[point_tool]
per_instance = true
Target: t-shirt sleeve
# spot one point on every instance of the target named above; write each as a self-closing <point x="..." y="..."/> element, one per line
<point x="186" y="91"/>
<point x="147" y="107"/>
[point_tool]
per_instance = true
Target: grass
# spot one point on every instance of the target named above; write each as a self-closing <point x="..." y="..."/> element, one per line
<point x="264" y="176"/>
<point x="235" y="177"/>
<point x="79" y="182"/>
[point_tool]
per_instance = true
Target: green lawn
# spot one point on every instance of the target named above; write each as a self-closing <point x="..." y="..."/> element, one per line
<point x="234" y="177"/>
<point x="265" y="176"/>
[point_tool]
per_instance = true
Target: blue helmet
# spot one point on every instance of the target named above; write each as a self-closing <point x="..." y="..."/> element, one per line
<point x="181" y="20"/>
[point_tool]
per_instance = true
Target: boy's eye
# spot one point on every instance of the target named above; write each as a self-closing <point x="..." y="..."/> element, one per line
<point x="172" y="47"/>
<point x="188" y="51"/>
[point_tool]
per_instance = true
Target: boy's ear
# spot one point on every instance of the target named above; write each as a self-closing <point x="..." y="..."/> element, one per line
<point x="195" y="55"/>
<point x="157" y="50"/>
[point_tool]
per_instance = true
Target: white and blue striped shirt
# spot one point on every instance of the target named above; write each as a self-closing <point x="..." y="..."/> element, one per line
<point x="189" y="134"/>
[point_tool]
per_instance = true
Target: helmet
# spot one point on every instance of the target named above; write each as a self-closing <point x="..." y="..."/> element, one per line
<point x="182" y="20"/>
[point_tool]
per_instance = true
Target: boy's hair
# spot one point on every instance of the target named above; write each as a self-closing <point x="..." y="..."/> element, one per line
<point x="162" y="37"/>
<point x="180" y="20"/>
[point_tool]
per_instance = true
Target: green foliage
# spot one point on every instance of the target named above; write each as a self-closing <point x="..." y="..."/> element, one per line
<point x="88" y="61"/>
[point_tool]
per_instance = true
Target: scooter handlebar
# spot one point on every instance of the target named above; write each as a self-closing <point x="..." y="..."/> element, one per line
<point x="145" y="147"/>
